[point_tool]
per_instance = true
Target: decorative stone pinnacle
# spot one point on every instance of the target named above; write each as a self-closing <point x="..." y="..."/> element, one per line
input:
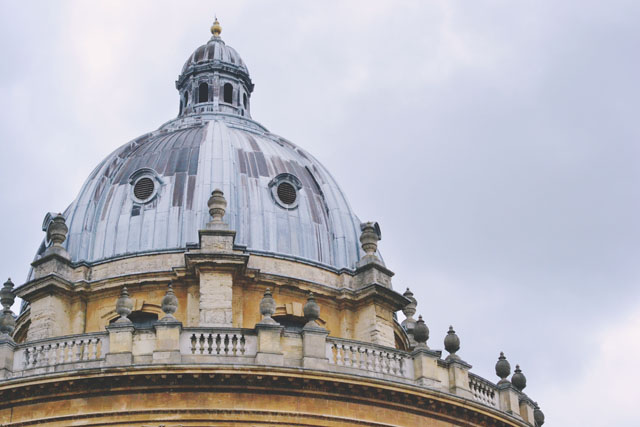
<point x="503" y="369"/>
<point x="169" y="303"/>
<point x="410" y="309"/>
<point x="57" y="230"/>
<point x="217" y="206"/>
<point x="7" y="297"/>
<point x="311" y="311"/>
<point x="452" y="344"/>
<point x="268" y="308"/>
<point x="369" y="238"/>
<point x="518" y="379"/>
<point x="124" y="306"/>
<point x="421" y="333"/>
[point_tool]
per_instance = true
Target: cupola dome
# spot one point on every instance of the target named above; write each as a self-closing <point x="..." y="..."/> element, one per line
<point x="150" y="195"/>
<point x="214" y="79"/>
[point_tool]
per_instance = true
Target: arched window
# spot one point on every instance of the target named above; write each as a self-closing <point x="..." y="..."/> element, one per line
<point x="244" y="100"/>
<point x="140" y="319"/>
<point x="186" y="99"/>
<point x="203" y="92"/>
<point x="228" y="93"/>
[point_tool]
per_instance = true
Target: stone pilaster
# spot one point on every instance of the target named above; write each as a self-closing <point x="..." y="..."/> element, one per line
<point x="269" y="346"/>
<point x="459" y="378"/>
<point x="120" y="344"/>
<point x="215" y="262"/>
<point x="50" y="299"/>
<point x="375" y="305"/>
<point x="7" y="349"/>
<point x="526" y="409"/>
<point x="509" y="399"/>
<point x="425" y="367"/>
<point x="167" y="342"/>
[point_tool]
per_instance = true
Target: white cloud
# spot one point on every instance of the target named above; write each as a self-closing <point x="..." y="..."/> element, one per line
<point x="606" y="393"/>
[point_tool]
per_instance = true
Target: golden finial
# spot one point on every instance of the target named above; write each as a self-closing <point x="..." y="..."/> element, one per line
<point x="216" y="29"/>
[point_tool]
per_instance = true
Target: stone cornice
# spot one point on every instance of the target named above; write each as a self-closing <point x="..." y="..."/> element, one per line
<point x="275" y="381"/>
<point x="51" y="283"/>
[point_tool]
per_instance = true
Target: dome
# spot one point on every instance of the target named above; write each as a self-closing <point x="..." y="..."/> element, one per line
<point x="150" y="195"/>
<point x="215" y="51"/>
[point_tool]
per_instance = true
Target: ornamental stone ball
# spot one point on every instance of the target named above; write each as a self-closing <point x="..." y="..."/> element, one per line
<point x="503" y="369"/>
<point x="217" y="205"/>
<point x="421" y="333"/>
<point x="267" y="308"/>
<point x="369" y="238"/>
<point x="518" y="379"/>
<point x="452" y="344"/>
<point x="170" y="303"/>
<point x="57" y="230"/>
<point x="124" y="306"/>
<point x="311" y="310"/>
<point x="538" y="416"/>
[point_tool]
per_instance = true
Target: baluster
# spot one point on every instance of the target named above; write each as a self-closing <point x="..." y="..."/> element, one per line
<point x="36" y="356"/>
<point x="27" y="358"/>
<point x="374" y="361"/>
<point x="218" y="343"/>
<point x="84" y="351"/>
<point x="393" y="361"/>
<point x="94" y="349"/>
<point x="226" y="344"/>
<point x="234" y="344"/>
<point x="243" y="343"/>
<point x="201" y="343"/>
<point x="347" y="356"/>
<point x="334" y="351"/>
<point x="53" y="354"/>
<point x="45" y="355"/>
<point x="355" y="357"/>
<point x="194" y="342"/>
<point x="343" y="355"/>
<point x="401" y="370"/>
<point x="78" y="348"/>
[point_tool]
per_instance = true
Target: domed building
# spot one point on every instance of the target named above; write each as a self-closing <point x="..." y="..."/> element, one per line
<point x="211" y="271"/>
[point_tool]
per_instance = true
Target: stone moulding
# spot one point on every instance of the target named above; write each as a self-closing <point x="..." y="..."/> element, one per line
<point x="387" y="398"/>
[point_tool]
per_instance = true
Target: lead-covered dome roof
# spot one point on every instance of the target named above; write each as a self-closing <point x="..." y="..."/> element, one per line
<point x="150" y="195"/>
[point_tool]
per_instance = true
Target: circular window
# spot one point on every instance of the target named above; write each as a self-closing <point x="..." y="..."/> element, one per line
<point x="287" y="193"/>
<point x="143" y="189"/>
<point x="284" y="190"/>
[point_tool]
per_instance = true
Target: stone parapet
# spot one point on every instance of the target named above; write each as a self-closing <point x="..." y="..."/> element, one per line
<point x="263" y="346"/>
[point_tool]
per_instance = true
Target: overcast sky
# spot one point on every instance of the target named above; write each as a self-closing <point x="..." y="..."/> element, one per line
<point x="496" y="143"/>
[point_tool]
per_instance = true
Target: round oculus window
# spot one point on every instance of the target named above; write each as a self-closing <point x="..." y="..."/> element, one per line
<point x="143" y="188"/>
<point x="287" y="193"/>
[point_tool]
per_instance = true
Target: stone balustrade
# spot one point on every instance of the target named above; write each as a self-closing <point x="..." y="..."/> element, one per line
<point x="483" y="391"/>
<point x="218" y="343"/>
<point x="368" y="359"/>
<point x="171" y="344"/>
<point x="60" y="354"/>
